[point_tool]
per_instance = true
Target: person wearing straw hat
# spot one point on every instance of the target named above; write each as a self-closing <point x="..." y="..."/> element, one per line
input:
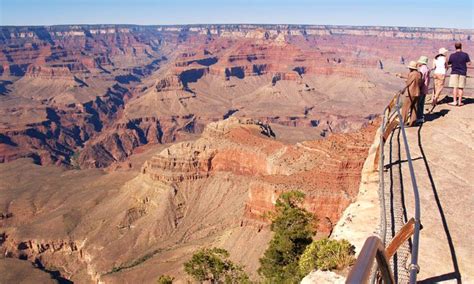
<point x="458" y="62"/>
<point x="422" y="64"/>
<point x="413" y="87"/>
<point x="440" y="66"/>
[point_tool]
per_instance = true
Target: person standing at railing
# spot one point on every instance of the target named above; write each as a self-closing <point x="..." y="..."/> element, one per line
<point x="458" y="62"/>
<point x="412" y="91"/>
<point x="440" y="66"/>
<point x="425" y="79"/>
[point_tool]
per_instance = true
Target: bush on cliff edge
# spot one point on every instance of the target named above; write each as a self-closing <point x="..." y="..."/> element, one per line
<point x="212" y="264"/>
<point x="293" y="229"/>
<point x="326" y="254"/>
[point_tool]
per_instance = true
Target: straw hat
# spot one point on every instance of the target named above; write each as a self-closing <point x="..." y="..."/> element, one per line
<point x="443" y="51"/>
<point x="412" y="65"/>
<point x="423" y="60"/>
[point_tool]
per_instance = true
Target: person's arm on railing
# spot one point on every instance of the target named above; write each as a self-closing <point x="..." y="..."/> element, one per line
<point x="402" y="76"/>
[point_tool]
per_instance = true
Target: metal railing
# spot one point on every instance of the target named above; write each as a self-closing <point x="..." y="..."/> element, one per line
<point x="374" y="247"/>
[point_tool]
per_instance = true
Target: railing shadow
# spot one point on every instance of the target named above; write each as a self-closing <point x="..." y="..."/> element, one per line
<point x="456" y="274"/>
<point x="402" y="190"/>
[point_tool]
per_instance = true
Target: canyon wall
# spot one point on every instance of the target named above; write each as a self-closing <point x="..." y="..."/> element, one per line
<point x="88" y="95"/>
<point x="211" y="191"/>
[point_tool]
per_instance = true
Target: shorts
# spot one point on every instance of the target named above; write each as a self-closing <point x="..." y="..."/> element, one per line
<point x="457" y="81"/>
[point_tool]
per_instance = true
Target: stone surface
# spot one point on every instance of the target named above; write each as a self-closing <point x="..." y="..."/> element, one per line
<point x="442" y="150"/>
<point x="323" y="277"/>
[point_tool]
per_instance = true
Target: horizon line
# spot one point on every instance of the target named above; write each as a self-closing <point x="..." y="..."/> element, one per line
<point x="235" y="24"/>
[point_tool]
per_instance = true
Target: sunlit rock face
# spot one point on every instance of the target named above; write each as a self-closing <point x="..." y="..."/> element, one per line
<point x="327" y="170"/>
<point x="89" y="95"/>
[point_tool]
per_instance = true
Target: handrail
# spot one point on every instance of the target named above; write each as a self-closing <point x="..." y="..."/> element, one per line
<point x="370" y="251"/>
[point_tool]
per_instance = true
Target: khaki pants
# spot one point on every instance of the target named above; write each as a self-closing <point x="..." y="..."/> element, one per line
<point x="410" y="104"/>
<point x="438" y="85"/>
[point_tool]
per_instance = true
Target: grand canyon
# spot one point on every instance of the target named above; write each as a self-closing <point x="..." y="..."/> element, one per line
<point x="125" y="148"/>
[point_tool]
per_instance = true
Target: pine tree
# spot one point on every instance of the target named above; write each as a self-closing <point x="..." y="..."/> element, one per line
<point x="293" y="229"/>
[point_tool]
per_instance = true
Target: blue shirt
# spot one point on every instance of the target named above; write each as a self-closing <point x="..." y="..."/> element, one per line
<point x="458" y="62"/>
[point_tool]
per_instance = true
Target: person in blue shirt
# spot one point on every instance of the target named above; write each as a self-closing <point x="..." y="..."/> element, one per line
<point x="458" y="62"/>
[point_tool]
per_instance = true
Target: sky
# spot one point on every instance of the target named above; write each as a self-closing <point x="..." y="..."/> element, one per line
<point x="413" y="13"/>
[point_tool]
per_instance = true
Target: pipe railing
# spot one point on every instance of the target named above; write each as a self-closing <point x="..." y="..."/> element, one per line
<point x="374" y="247"/>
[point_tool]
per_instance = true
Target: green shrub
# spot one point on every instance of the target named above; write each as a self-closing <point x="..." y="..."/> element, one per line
<point x="212" y="264"/>
<point x="165" y="279"/>
<point x="326" y="254"/>
<point x="293" y="230"/>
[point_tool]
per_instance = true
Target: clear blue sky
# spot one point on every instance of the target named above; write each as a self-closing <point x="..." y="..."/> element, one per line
<point x="420" y="13"/>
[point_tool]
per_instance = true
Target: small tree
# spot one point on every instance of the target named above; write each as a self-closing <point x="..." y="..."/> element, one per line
<point x="212" y="264"/>
<point x="165" y="279"/>
<point x="293" y="229"/>
<point x="326" y="254"/>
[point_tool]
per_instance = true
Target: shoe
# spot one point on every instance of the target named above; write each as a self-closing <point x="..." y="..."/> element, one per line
<point x="452" y="104"/>
<point x="420" y="121"/>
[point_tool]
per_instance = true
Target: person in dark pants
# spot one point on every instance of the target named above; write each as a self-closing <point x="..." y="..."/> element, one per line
<point x="425" y="79"/>
<point x="458" y="62"/>
<point x="410" y="100"/>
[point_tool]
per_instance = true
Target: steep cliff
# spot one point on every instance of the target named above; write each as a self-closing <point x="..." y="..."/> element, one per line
<point x="211" y="191"/>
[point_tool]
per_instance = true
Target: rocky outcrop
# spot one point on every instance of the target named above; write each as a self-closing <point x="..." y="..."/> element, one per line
<point x="54" y="140"/>
<point x="323" y="277"/>
<point x="181" y="162"/>
<point x="42" y="72"/>
<point x="50" y="253"/>
<point x="327" y="170"/>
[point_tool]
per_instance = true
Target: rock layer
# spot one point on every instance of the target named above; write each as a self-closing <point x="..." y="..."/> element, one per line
<point x="211" y="191"/>
<point x="327" y="170"/>
<point x="81" y="96"/>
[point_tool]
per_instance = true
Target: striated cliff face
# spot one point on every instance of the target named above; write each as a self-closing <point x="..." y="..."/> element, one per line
<point x="136" y="224"/>
<point x="327" y="170"/>
<point x="89" y="95"/>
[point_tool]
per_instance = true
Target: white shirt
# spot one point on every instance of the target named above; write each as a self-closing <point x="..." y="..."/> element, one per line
<point x="440" y="65"/>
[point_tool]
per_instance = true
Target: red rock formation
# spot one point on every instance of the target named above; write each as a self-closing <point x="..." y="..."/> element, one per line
<point x="328" y="171"/>
<point x="36" y="71"/>
<point x="92" y="73"/>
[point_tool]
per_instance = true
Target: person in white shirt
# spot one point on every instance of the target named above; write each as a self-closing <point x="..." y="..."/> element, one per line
<point x="440" y="66"/>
